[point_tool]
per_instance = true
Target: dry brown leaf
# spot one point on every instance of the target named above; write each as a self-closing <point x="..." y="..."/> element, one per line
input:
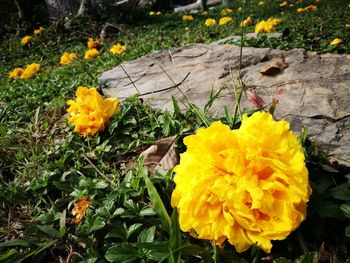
<point x="161" y="155"/>
<point x="273" y="68"/>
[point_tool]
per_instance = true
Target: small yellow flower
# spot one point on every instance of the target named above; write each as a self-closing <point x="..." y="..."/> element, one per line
<point x="239" y="9"/>
<point x="247" y="22"/>
<point x="79" y="209"/>
<point x="117" y="49"/>
<point x="152" y="13"/>
<point x="39" y="31"/>
<point x="158" y="13"/>
<point x="310" y="7"/>
<point x="187" y="17"/>
<point x="347" y="25"/>
<point x="30" y="71"/>
<point x="91" y="53"/>
<point x="25" y="40"/>
<point x="261" y="3"/>
<point x="93" y="43"/>
<point x="300" y="10"/>
<point x="283" y="4"/>
<point x="225" y="20"/>
<point x="16" y="73"/>
<point x="89" y="112"/>
<point x="210" y="22"/>
<point x="226" y="11"/>
<point x="336" y="42"/>
<point x="67" y="58"/>
<point x="187" y="28"/>
<point x="267" y="26"/>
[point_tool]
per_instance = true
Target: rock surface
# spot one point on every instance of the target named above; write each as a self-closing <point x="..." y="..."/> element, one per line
<point x="313" y="91"/>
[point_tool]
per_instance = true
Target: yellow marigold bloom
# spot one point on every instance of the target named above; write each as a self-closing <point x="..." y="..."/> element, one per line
<point x="226" y="11"/>
<point x="30" y="71"/>
<point x="210" y="22"/>
<point x="89" y="112"/>
<point x="300" y="10"/>
<point x="187" y="17"/>
<point x="67" y="58"/>
<point x="93" y="43"/>
<point x="225" y="20"/>
<point x="17" y="72"/>
<point x="39" y="31"/>
<point x="25" y="40"/>
<point x="239" y="9"/>
<point x="247" y="22"/>
<point x="151" y="13"/>
<point x="336" y="42"/>
<point x="117" y="49"/>
<point x="261" y="3"/>
<point x="158" y="13"/>
<point x="267" y="26"/>
<point x="91" y="53"/>
<point x="285" y="3"/>
<point x="79" y="209"/>
<point x="247" y="186"/>
<point x="310" y="7"/>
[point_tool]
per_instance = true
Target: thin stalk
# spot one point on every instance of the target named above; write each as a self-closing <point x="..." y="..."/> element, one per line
<point x="132" y="82"/>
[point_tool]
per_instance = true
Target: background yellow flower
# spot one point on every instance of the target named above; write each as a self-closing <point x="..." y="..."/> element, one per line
<point x="79" y="209"/>
<point x="248" y="186"/>
<point x="117" y="49"/>
<point x="336" y="42"/>
<point x="91" y="53"/>
<point x="30" y="70"/>
<point x="93" y="43"/>
<point x="210" y="22"/>
<point x="67" y="58"/>
<point x="187" y="17"/>
<point x="17" y="72"/>
<point x="25" y="40"/>
<point x="89" y="112"/>
<point x="225" y="20"/>
<point x="39" y="31"/>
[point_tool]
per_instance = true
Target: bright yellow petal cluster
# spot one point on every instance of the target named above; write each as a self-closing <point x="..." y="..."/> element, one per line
<point x="67" y="58"/>
<point x="187" y="17"/>
<point x="267" y="26"/>
<point x="336" y="42"/>
<point x="39" y="31"/>
<point x="25" y="40"/>
<point x="210" y="22"/>
<point x="225" y="20"/>
<point x="30" y="71"/>
<point x="151" y="13"/>
<point x="283" y="4"/>
<point x="261" y="3"/>
<point x="247" y="186"/>
<point x="226" y="11"/>
<point x="91" y="53"/>
<point x="117" y="49"/>
<point x="93" y="43"/>
<point x="16" y="73"/>
<point x="89" y="112"/>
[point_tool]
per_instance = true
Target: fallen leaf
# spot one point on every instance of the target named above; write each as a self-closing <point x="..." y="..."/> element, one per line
<point x="161" y="155"/>
<point x="273" y="68"/>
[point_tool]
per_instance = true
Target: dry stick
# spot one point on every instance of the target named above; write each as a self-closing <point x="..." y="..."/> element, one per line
<point x="96" y="169"/>
<point x="132" y="82"/>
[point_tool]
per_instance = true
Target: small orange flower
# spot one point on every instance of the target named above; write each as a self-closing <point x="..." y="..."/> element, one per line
<point x="25" y="40"/>
<point x="93" y="43"/>
<point x="79" y="209"/>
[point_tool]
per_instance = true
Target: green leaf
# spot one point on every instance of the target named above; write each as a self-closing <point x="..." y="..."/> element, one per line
<point x="50" y="231"/>
<point x="177" y="111"/>
<point x="175" y="239"/>
<point x="346" y="209"/>
<point x="148" y="211"/>
<point x="122" y="253"/>
<point x="311" y="257"/>
<point x="155" y="198"/>
<point x="97" y="224"/>
<point x="6" y="254"/>
<point x="133" y="228"/>
<point x="147" y="235"/>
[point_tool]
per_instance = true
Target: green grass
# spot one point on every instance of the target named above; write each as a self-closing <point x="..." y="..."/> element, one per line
<point x="45" y="167"/>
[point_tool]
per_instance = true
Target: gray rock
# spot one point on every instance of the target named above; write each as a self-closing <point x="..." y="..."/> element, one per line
<point x="313" y="91"/>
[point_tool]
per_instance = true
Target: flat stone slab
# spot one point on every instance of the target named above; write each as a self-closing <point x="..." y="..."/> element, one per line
<point x="313" y="90"/>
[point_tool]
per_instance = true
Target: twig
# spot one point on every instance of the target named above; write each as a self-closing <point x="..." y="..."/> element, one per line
<point x="132" y="82"/>
<point x="96" y="169"/>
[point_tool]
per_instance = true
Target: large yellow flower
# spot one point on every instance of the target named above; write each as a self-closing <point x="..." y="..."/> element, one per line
<point x="117" y="49"/>
<point x="225" y="20"/>
<point x="246" y="186"/>
<point x="30" y="71"/>
<point x="67" y="58"/>
<point x="91" y="53"/>
<point x="89" y="112"/>
<point x="267" y="26"/>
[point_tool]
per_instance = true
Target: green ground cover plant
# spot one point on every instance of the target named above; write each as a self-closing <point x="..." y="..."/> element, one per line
<point x="46" y="168"/>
